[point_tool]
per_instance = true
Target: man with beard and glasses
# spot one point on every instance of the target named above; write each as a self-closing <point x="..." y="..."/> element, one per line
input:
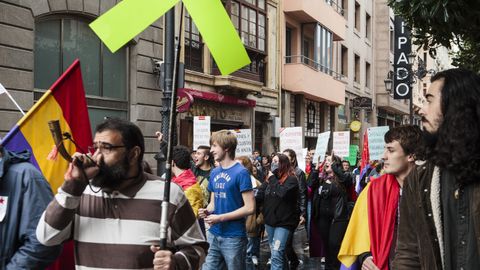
<point x="440" y="209"/>
<point x="231" y="202"/>
<point x="114" y="218"/>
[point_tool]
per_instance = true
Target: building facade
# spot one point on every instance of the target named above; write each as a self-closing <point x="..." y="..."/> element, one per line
<point x="40" y="39"/>
<point x="255" y="86"/>
<point x="355" y="60"/>
<point x="312" y="87"/>
<point x="388" y="111"/>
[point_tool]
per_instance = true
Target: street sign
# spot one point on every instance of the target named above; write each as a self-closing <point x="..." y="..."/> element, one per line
<point x="403" y="47"/>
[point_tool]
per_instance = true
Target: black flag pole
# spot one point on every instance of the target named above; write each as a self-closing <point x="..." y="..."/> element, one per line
<point x="171" y="132"/>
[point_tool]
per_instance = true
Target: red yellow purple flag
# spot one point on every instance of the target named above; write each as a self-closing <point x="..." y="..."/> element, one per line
<point x="64" y="101"/>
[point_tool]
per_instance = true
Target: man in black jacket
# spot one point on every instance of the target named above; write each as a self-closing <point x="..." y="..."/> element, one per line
<point x="440" y="210"/>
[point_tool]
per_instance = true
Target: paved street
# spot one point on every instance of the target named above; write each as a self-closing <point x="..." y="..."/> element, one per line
<point x="299" y="238"/>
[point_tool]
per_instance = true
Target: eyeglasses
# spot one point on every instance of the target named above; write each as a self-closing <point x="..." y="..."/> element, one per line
<point x="105" y="148"/>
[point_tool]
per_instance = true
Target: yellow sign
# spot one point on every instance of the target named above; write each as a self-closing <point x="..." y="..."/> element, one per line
<point x="355" y="126"/>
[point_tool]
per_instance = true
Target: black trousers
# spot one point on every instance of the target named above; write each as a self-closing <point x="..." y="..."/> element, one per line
<point x="290" y="252"/>
<point x="332" y="233"/>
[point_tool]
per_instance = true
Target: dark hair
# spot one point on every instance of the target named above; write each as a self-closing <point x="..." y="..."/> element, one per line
<point x="457" y="147"/>
<point x="293" y="156"/>
<point x="410" y="139"/>
<point x="284" y="166"/>
<point x="181" y="157"/>
<point x="131" y="134"/>
<point x="346" y="161"/>
<point x="207" y="153"/>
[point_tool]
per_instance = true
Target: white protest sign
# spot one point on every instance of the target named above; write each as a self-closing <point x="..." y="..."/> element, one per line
<point x="291" y="138"/>
<point x="321" y="148"/>
<point x="201" y="131"/>
<point x="302" y="164"/>
<point x="376" y="141"/>
<point x="244" y="142"/>
<point x="341" y="143"/>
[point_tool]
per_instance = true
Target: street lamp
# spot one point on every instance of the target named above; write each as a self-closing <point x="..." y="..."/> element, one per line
<point x="388" y="82"/>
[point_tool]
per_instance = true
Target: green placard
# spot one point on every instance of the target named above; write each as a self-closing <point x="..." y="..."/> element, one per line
<point x="219" y="34"/>
<point x="128" y="18"/>
<point x="352" y="158"/>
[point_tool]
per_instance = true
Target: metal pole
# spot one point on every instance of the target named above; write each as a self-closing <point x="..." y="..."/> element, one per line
<point x="169" y="54"/>
<point x="172" y="57"/>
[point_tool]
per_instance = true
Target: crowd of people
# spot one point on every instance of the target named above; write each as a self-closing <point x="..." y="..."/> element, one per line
<point x="417" y="208"/>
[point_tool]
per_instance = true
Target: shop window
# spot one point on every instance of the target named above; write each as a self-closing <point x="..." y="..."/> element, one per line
<point x="58" y="42"/>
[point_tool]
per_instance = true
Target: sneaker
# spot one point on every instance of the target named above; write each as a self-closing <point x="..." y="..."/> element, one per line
<point x="255" y="260"/>
<point x="269" y="262"/>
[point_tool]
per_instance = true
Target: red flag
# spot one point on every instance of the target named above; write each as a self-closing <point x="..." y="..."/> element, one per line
<point x="365" y="153"/>
<point x="383" y="196"/>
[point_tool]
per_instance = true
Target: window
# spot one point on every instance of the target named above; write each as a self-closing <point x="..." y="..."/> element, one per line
<point x="357" y="69"/>
<point x="59" y="41"/>
<point x="345" y="9"/>
<point x="368" y="26"/>
<point x="288" y="45"/>
<point x="344" y="62"/>
<point x="193" y="46"/>
<point x="249" y="19"/>
<point x="367" y="75"/>
<point x="250" y="23"/>
<point x="357" y="16"/>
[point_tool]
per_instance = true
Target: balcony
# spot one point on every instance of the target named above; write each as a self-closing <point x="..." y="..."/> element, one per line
<point x="305" y="76"/>
<point x="386" y="101"/>
<point x="324" y="12"/>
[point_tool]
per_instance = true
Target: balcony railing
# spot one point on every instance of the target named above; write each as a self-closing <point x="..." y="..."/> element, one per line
<point x="302" y="59"/>
<point x="334" y="4"/>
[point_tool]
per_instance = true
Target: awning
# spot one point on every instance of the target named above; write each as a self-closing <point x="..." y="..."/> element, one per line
<point x="245" y="102"/>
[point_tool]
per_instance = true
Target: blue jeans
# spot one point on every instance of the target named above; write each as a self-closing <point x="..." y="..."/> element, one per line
<point x="253" y="249"/>
<point x="277" y="239"/>
<point x="229" y="252"/>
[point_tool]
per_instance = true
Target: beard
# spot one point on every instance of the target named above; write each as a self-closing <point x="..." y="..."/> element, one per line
<point x="111" y="176"/>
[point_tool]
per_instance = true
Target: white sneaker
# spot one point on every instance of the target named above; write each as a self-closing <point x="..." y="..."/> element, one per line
<point x="254" y="260"/>
<point x="269" y="262"/>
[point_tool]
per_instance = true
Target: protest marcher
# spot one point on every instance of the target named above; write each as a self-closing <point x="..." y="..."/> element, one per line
<point x="254" y="221"/>
<point x="185" y="178"/>
<point x="203" y="166"/>
<point x="24" y="195"/>
<point x="439" y="213"/>
<point x="266" y="162"/>
<point x="231" y="202"/>
<point x="302" y="204"/>
<point x="114" y="218"/>
<point x="329" y="207"/>
<point x="279" y="194"/>
<point x="371" y="241"/>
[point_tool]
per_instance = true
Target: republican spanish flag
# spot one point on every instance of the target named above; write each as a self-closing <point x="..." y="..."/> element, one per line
<point x="372" y="224"/>
<point x="65" y="101"/>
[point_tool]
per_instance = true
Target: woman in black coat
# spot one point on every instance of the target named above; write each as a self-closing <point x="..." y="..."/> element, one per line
<point x="330" y="206"/>
<point x="279" y="194"/>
